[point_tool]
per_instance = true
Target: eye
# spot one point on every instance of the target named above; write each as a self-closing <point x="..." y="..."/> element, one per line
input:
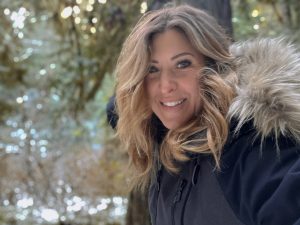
<point x="153" y="72"/>
<point x="183" y="64"/>
<point x="152" y="69"/>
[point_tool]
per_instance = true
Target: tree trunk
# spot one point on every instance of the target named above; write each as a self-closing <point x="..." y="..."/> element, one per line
<point x="220" y="9"/>
<point x="137" y="211"/>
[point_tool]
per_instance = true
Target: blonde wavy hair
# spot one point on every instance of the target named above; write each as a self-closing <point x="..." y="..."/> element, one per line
<point x="208" y="131"/>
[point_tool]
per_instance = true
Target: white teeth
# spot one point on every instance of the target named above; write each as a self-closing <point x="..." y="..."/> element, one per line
<point x="172" y="104"/>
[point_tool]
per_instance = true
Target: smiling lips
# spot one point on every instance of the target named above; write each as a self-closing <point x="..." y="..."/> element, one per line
<point x="173" y="104"/>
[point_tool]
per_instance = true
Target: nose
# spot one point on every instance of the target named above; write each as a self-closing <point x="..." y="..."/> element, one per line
<point x="167" y="82"/>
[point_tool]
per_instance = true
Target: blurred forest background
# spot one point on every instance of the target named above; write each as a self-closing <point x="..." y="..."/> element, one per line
<point x="59" y="160"/>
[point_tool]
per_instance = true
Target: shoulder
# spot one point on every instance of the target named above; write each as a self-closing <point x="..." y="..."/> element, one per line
<point x="260" y="173"/>
<point x="268" y="87"/>
<point x="258" y="179"/>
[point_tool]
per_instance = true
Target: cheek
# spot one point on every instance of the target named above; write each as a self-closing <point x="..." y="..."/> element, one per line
<point x="194" y="88"/>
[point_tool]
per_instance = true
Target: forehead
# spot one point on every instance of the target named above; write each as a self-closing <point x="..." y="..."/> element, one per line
<point x="170" y="41"/>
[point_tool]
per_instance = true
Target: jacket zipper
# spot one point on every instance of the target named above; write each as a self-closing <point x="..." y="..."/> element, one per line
<point x="193" y="183"/>
<point x="177" y="198"/>
<point x="184" y="204"/>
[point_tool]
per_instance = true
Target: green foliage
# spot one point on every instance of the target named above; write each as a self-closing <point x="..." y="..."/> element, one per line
<point x="55" y="80"/>
<point x="253" y="18"/>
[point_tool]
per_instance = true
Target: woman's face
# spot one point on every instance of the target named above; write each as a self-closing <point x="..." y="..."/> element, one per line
<point x="172" y="82"/>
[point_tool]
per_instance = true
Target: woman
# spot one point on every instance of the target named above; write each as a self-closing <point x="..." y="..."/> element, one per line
<point x="213" y="128"/>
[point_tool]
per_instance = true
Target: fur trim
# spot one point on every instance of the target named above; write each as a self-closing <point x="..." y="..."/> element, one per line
<point x="268" y="90"/>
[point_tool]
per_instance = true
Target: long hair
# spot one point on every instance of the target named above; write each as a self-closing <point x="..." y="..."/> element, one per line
<point x="207" y="132"/>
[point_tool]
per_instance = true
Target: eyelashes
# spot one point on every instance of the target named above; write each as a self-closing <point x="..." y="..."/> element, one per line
<point x="179" y="65"/>
<point x="183" y="64"/>
<point x="152" y="69"/>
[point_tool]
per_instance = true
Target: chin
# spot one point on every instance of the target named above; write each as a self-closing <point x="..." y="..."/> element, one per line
<point x="172" y="126"/>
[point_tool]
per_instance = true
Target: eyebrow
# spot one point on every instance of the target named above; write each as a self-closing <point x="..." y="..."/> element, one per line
<point x="182" y="54"/>
<point x="176" y="56"/>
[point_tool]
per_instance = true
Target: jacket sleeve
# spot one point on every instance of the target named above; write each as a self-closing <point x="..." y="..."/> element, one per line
<point x="262" y="184"/>
<point x="111" y="114"/>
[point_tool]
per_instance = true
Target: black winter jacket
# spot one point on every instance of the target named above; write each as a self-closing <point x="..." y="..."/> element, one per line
<point x="259" y="179"/>
<point x="254" y="186"/>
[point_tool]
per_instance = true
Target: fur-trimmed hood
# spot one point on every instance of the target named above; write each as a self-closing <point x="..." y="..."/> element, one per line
<point x="268" y="89"/>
